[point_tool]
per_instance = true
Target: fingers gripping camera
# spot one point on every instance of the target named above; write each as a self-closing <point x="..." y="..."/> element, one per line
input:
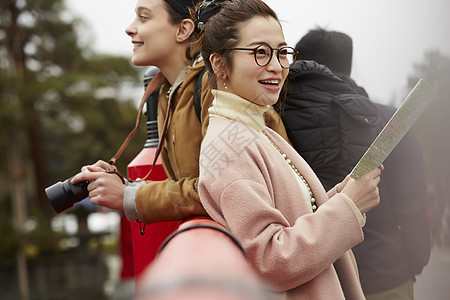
<point x="63" y="195"/>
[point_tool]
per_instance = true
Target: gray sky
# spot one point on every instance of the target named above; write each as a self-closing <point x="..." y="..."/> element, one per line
<point x="389" y="36"/>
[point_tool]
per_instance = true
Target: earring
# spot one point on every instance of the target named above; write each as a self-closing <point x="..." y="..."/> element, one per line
<point x="225" y="85"/>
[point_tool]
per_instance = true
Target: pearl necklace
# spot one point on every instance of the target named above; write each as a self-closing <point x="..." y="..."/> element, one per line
<point x="296" y="171"/>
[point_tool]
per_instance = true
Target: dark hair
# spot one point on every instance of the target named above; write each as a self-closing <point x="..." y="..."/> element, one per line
<point x="331" y="48"/>
<point x="182" y="7"/>
<point x="177" y="18"/>
<point x="222" y="30"/>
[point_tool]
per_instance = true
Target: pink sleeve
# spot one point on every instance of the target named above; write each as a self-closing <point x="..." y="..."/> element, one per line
<point x="332" y="191"/>
<point x="288" y="255"/>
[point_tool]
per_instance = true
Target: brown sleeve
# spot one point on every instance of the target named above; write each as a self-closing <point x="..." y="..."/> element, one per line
<point x="168" y="200"/>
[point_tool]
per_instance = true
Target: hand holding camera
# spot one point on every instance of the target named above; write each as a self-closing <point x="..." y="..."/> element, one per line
<point x="95" y="181"/>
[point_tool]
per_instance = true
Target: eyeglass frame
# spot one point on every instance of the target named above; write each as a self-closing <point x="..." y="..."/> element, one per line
<point x="295" y="52"/>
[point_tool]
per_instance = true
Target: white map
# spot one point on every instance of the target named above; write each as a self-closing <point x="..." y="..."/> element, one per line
<point x="402" y="120"/>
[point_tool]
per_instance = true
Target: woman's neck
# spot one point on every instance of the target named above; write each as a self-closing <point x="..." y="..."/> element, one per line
<point x="172" y="68"/>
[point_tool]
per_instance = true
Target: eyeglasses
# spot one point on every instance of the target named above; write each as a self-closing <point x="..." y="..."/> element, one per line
<point x="263" y="55"/>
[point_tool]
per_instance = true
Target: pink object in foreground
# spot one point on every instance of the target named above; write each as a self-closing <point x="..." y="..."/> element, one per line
<point x="201" y="260"/>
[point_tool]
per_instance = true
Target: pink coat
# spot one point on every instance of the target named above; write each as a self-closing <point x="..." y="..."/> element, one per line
<point x="246" y="186"/>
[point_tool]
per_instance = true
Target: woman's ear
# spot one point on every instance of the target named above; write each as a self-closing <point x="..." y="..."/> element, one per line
<point x="185" y="30"/>
<point x="217" y="64"/>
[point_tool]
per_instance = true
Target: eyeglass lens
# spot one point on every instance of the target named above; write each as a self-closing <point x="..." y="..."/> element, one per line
<point x="285" y="55"/>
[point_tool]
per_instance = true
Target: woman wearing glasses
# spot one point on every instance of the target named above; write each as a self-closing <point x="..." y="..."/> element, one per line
<point x="255" y="184"/>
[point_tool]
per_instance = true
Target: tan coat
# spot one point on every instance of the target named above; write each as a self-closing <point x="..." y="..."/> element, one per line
<point x="177" y="197"/>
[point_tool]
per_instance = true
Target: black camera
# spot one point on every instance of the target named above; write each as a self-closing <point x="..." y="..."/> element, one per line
<point x="63" y="195"/>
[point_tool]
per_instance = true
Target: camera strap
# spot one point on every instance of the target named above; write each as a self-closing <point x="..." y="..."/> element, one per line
<point x="156" y="82"/>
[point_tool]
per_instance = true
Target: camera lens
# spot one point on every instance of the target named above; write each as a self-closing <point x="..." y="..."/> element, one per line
<point x="63" y="195"/>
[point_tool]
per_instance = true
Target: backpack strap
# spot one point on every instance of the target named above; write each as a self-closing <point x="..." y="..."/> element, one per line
<point x="198" y="95"/>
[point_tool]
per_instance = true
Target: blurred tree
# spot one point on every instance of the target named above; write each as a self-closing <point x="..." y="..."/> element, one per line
<point x="431" y="130"/>
<point x="59" y="110"/>
<point x="58" y="98"/>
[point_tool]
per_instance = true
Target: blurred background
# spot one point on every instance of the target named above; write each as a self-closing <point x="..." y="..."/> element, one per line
<point x="69" y="94"/>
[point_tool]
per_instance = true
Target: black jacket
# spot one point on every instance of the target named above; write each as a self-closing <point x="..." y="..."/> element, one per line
<point x="397" y="239"/>
<point x="328" y="122"/>
<point x="397" y="233"/>
<point x="331" y="122"/>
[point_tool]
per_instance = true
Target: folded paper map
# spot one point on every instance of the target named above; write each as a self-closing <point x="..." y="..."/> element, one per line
<point x="402" y="120"/>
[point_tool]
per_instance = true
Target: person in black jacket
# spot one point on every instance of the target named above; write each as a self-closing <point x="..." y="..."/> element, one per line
<point x="331" y="123"/>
